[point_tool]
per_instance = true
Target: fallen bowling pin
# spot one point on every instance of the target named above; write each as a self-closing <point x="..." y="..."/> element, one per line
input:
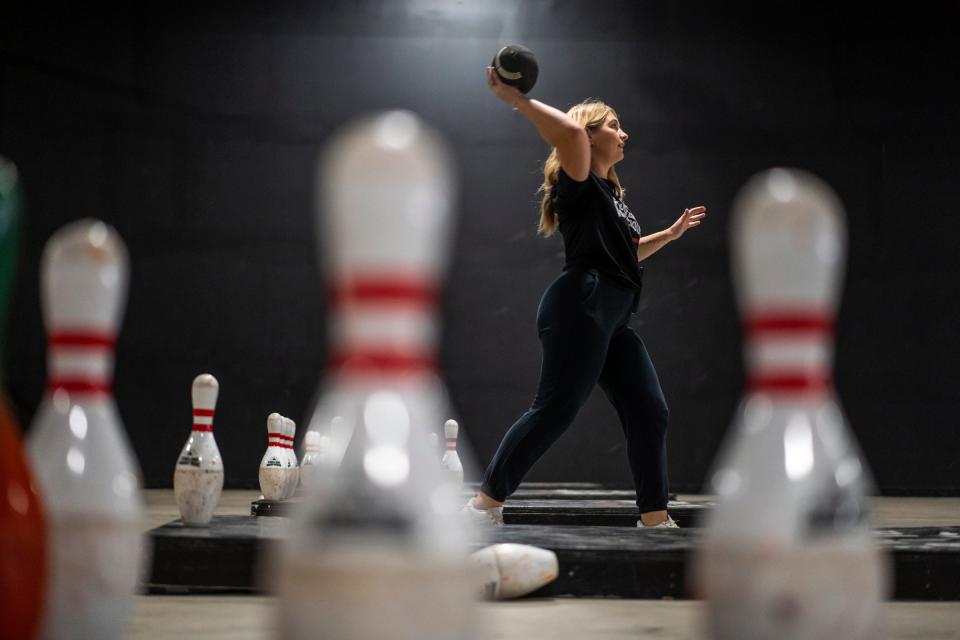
<point x="510" y="570"/>
<point x="198" y="477"/>
<point x="275" y="472"/>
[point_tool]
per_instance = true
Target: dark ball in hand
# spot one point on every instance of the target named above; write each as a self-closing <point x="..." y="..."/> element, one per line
<point x="517" y="66"/>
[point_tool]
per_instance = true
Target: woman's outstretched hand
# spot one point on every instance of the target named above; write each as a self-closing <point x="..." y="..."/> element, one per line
<point x="503" y="91"/>
<point x="690" y="218"/>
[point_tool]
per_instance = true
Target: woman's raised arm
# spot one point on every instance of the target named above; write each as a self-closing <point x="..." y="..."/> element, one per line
<point x="556" y="127"/>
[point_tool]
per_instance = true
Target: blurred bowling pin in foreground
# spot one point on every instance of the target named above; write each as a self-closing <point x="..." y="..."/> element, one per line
<point x="788" y="551"/>
<point x="23" y="532"/>
<point x="78" y="447"/>
<point x="510" y="570"/>
<point x="198" y="477"/>
<point x="379" y="535"/>
<point x="451" y="461"/>
<point x="275" y="469"/>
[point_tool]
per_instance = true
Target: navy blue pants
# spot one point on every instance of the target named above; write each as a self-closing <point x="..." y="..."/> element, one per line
<point x="583" y="322"/>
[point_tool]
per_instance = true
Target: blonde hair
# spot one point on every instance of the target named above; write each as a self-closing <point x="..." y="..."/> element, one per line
<point x="590" y="114"/>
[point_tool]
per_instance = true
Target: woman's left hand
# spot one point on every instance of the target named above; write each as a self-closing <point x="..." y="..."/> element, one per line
<point x="690" y="218"/>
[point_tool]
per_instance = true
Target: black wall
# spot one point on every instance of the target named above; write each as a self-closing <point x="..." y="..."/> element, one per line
<point x="195" y="135"/>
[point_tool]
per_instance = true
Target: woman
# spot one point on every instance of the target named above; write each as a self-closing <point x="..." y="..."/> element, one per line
<point x="583" y="318"/>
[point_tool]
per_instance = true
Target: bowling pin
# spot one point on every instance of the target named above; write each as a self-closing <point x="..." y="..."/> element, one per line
<point x="788" y="550"/>
<point x="510" y="570"/>
<point x="283" y="443"/>
<point x="87" y="473"/>
<point x="451" y="461"/>
<point x="198" y="477"/>
<point x="23" y="529"/>
<point x="311" y="454"/>
<point x="380" y="530"/>
<point x="274" y="466"/>
<point x="290" y="431"/>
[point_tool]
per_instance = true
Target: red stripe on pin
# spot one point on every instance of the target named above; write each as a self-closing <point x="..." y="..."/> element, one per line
<point x="788" y="322"/>
<point x="79" y="386"/>
<point x="203" y="413"/>
<point x="81" y="339"/>
<point x="384" y="289"/>
<point x="371" y="363"/>
<point x="203" y="427"/>
<point x="790" y="383"/>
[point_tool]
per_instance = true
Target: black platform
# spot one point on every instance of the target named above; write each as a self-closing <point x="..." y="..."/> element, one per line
<point x="594" y="560"/>
<point x="583" y="512"/>
<point x="564" y="491"/>
<point x="545" y="491"/>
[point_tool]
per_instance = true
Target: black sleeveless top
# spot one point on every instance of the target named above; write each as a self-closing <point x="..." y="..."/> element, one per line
<point x="599" y="231"/>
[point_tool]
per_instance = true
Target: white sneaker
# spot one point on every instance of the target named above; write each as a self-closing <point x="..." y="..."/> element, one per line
<point x="666" y="524"/>
<point x="490" y="517"/>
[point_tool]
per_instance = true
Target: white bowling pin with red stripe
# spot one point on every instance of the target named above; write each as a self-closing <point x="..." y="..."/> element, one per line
<point x="788" y="551"/>
<point x="275" y="470"/>
<point x="380" y="529"/>
<point x="290" y="432"/>
<point x="451" y="461"/>
<point x="284" y="443"/>
<point x="198" y="477"/>
<point x="79" y="450"/>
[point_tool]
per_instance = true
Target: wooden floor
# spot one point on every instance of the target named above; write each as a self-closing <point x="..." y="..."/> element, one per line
<point x="249" y="617"/>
